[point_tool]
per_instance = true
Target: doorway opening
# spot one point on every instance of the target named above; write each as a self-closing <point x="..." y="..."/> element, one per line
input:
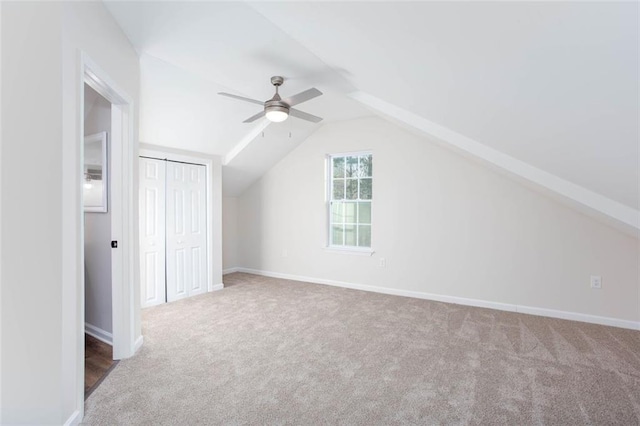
<point x="96" y="189"/>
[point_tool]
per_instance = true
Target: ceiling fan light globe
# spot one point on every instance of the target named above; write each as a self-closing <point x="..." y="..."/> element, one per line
<point x="277" y="115"/>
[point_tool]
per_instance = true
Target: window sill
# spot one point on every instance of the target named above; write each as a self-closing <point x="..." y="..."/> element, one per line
<point x="350" y="250"/>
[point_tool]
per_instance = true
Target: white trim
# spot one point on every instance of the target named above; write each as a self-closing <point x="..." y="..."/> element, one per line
<point x="596" y="203"/>
<point x="207" y="161"/>
<point x="74" y="419"/>
<point x="0" y="214"/>
<point x="329" y="181"/>
<point x="123" y="258"/>
<point x="576" y="316"/>
<point x="358" y="251"/>
<point x="78" y="69"/>
<point x="230" y="270"/>
<point x="138" y="344"/>
<point x="98" y="333"/>
<point x="218" y="287"/>
<point x="351" y="153"/>
<point x="510" y="307"/>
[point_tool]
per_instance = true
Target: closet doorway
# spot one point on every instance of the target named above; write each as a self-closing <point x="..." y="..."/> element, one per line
<point x="173" y="230"/>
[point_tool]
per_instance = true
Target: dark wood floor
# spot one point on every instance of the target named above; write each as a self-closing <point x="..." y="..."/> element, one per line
<point x="98" y="362"/>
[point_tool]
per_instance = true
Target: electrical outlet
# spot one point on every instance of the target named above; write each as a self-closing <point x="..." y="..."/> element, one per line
<point x="596" y="281"/>
<point x="383" y="262"/>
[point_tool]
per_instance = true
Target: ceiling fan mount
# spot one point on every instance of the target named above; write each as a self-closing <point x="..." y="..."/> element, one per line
<point x="276" y="80"/>
<point x="277" y="109"/>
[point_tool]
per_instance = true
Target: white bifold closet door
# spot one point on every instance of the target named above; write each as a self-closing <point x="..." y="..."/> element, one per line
<point x="186" y="231"/>
<point x="152" y="231"/>
<point x="173" y="242"/>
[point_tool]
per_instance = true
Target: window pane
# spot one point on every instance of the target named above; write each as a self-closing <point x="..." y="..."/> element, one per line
<point x="338" y="189"/>
<point x="351" y="167"/>
<point x="366" y="166"/>
<point x="337" y="212"/>
<point x="364" y="212"/>
<point x="337" y="235"/>
<point x="352" y="189"/>
<point x="364" y="236"/>
<point x="350" y="235"/>
<point x="350" y="212"/>
<point x="338" y="167"/>
<point x="365" y="189"/>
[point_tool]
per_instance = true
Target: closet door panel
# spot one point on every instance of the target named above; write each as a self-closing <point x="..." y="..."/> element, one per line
<point x="197" y="229"/>
<point x="152" y="231"/>
<point x="178" y="218"/>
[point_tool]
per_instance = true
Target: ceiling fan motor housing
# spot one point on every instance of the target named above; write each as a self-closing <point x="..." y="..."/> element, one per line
<point x="276" y="103"/>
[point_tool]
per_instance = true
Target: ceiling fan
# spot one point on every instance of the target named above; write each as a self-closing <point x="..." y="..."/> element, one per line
<point x="277" y="109"/>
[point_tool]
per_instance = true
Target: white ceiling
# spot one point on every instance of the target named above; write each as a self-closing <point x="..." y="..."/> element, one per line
<point x="552" y="84"/>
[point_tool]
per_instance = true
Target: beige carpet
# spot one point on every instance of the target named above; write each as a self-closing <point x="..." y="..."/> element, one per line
<point x="269" y="351"/>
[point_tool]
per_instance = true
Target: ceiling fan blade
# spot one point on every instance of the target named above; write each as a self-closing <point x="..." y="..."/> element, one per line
<point x="254" y="117"/>
<point x="242" y="98"/>
<point x="304" y="115"/>
<point x="303" y="96"/>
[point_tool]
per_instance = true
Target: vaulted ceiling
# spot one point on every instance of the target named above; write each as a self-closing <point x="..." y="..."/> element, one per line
<point x="553" y="85"/>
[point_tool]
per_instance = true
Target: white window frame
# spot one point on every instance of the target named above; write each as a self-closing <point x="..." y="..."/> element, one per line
<point x="329" y="191"/>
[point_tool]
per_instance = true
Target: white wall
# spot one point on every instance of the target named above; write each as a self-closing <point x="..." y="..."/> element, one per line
<point x="41" y="286"/>
<point x="31" y="233"/>
<point x="229" y="233"/>
<point x="97" y="232"/>
<point x="446" y="225"/>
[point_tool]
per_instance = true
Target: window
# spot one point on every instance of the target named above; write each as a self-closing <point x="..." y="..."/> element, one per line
<point x="350" y="193"/>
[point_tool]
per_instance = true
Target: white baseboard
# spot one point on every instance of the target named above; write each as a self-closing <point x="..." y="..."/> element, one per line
<point x="138" y="344"/>
<point x="575" y="316"/>
<point x="74" y="419"/>
<point x="217" y="287"/>
<point x="98" y="333"/>
<point x="231" y="270"/>
<point x="531" y="310"/>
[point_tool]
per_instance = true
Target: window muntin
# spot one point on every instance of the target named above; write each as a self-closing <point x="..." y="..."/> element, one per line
<point x="351" y="190"/>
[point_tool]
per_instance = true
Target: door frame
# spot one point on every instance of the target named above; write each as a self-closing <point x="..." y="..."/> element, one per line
<point x="166" y="154"/>
<point x="121" y="205"/>
<point x="123" y="216"/>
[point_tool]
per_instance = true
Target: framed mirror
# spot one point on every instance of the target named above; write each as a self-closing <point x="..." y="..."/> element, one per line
<point x="95" y="183"/>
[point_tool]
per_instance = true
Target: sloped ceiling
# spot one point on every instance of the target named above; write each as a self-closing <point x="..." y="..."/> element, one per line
<point x="554" y="85"/>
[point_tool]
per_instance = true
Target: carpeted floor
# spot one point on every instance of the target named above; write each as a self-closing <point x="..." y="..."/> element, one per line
<point x="270" y="351"/>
